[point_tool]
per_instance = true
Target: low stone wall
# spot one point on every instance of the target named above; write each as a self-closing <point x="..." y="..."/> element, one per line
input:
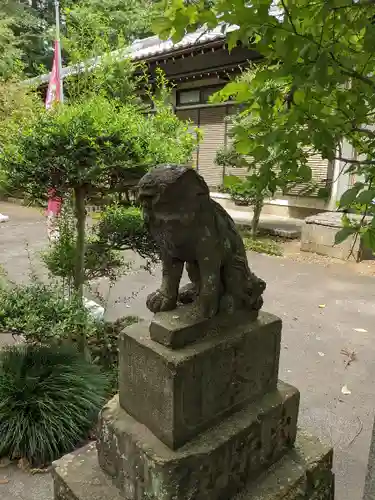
<point x="318" y="236"/>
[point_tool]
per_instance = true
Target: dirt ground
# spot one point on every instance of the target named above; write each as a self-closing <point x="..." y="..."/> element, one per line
<point x="327" y="307"/>
<point x="291" y="249"/>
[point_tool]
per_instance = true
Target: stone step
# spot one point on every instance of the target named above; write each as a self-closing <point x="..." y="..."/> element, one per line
<point x="302" y="474"/>
<point x="216" y="464"/>
<point x="305" y="473"/>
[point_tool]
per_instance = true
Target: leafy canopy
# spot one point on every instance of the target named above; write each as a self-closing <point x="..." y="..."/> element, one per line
<point x="93" y="144"/>
<point x="27" y="30"/>
<point x="314" y="89"/>
<point x="96" y="26"/>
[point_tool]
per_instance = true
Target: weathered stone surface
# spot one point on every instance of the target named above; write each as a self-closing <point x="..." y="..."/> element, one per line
<point x="215" y="465"/>
<point x="178" y="328"/>
<point x="179" y="393"/>
<point x="369" y="490"/>
<point x="304" y="473"/>
<point x="189" y="227"/>
<point x="318" y="236"/>
<point x="77" y="476"/>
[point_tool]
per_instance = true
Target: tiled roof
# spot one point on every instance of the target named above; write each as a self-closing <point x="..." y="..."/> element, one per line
<point x="145" y="49"/>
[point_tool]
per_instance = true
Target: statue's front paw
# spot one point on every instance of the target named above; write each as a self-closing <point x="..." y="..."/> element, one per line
<point x="157" y="302"/>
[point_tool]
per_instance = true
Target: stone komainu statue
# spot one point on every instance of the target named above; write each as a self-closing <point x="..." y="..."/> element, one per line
<point x="189" y="227"/>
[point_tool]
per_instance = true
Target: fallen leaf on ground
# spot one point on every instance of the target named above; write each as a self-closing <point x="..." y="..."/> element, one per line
<point x="346" y="391"/>
<point x="322" y="306"/>
<point x="321" y="354"/>
<point x="4" y="481"/>
<point x="360" y="330"/>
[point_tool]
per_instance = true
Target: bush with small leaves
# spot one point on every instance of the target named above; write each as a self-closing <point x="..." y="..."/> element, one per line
<point x="99" y="260"/>
<point x="42" y="313"/>
<point x="123" y="228"/>
<point x="50" y="397"/>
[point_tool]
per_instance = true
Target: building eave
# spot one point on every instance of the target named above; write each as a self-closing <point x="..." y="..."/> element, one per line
<point x="150" y="49"/>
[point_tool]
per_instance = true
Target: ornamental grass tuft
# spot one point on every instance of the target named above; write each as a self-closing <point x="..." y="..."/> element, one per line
<point x="49" y="401"/>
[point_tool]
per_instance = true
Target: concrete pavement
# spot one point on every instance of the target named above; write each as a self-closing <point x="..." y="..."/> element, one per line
<point x="323" y="309"/>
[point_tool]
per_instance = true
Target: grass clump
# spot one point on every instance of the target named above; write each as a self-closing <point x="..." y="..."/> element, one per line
<point x="262" y="244"/>
<point x="50" y="397"/>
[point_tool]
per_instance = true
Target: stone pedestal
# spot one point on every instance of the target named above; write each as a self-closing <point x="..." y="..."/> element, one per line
<point x="205" y="419"/>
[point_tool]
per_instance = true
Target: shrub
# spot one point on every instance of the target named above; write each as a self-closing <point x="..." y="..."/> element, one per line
<point x="103" y="347"/>
<point x="99" y="260"/>
<point x="122" y="228"/>
<point x="49" y="401"/>
<point x="42" y="313"/>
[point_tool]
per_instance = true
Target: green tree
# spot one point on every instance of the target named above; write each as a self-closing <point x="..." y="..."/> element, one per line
<point x="27" y="29"/>
<point x="10" y="52"/>
<point x="18" y="105"/>
<point x="94" y="26"/>
<point x="89" y="147"/>
<point x="314" y="89"/>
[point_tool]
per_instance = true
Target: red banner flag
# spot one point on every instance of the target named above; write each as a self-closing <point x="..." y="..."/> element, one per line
<point x="54" y="90"/>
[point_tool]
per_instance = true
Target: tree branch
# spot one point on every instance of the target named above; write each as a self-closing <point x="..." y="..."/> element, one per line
<point x="286" y="10"/>
<point x="365" y="131"/>
<point x="355" y="162"/>
<point x="353" y="73"/>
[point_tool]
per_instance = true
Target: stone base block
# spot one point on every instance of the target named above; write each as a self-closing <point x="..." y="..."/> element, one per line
<point x="302" y="474"/>
<point x="318" y="236"/>
<point x="179" y="393"/>
<point x="215" y="465"/>
<point x="305" y="473"/>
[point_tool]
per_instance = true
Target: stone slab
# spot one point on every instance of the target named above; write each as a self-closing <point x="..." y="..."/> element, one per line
<point x="215" y="465"/>
<point x="333" y="219"/>
<point x="178" y="328"/>
<point x="179" y="393"/>
<point x="318" y="236"/>
<point x="304" y="473"/>
<point x="77" y="476"/>
<point x="320" y="239"/>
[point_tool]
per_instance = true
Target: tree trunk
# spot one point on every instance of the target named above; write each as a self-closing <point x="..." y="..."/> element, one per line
<point x="258" y="205"/>
<point x="80" y="213"/>
<point x="79" y="275"/>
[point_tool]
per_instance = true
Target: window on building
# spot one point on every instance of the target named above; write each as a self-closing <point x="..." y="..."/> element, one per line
<point x="202" y="95"/>
<point x="186" y="97"/>
<point x="208" y="92"/>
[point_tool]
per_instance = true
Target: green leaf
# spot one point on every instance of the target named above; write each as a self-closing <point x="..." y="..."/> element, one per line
<point x="349" y="197"/>
<point x="231" y="180"/>
<point x="299" y="96"/>
<point x="161" y="25"/>
<point x="366" y="197"/>
<point x="368" y="238"/>
<point x="343" y="234"/>
<point x="243" y="147"/>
